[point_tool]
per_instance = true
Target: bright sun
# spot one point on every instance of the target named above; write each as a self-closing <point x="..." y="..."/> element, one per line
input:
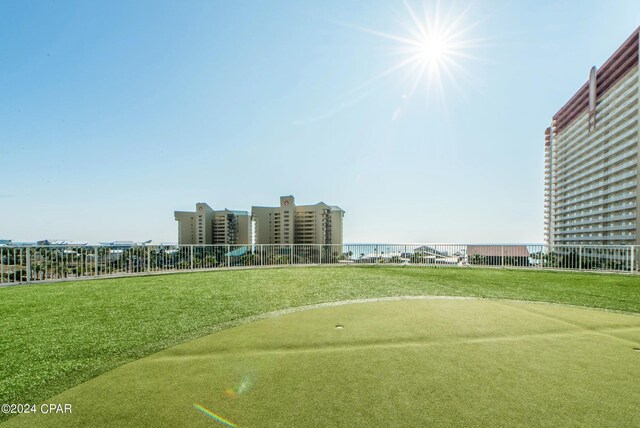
<point x="433" y="48"/>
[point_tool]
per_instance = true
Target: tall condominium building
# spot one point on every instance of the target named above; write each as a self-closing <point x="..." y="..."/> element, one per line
<point x="297" y="224"/>
<point x="207" y="226"/>
<point x="591" y="157"/>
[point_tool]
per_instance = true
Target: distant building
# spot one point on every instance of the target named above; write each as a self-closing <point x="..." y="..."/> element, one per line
<point x="21" y="244"/>
<point x="498" y="255"/>
<point x="124" y="244"/>
<point x="591" y="157"/>
<point x="297" y="224"/>
<point x="60" y="242"/>
<point x="207" y="226"/>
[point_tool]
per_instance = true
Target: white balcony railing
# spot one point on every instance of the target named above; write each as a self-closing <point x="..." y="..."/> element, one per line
<point x="30" y="264"/>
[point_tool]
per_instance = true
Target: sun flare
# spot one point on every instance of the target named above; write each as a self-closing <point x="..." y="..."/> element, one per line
<point x="433" y="50"/>
<point x="431" y="53"/>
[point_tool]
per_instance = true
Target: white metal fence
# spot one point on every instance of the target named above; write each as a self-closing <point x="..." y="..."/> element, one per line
<point x="51" y="263"/>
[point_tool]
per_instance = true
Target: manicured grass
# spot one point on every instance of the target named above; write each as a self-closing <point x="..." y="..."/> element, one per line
<point x="436" y="362"/>
<point x="55" y="336"/>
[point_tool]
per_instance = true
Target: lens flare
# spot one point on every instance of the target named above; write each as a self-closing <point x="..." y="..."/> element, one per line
<point x="241" y="388"/>
<point x="214" y="416"/>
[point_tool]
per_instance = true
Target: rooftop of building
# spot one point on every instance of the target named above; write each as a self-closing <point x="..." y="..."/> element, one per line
<point x="235" y="212"/>
<point x="614" y="68"/>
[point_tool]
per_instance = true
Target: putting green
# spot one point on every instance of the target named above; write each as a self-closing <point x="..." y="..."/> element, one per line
<point x="413" y="362"/>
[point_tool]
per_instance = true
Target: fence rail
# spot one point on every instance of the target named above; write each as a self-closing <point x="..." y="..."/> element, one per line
<point x="20" y="265"/>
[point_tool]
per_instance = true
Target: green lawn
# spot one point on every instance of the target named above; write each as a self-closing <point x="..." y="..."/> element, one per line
<point x="404" y="363"/>
<point x="56" y="336"/>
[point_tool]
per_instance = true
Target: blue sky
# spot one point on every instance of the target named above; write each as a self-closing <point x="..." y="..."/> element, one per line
<point x="115" y="114"/>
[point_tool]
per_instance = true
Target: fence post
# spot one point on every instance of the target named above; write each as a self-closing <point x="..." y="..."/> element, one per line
<point x="502" y="254"/>
<point x="95" y="260"/>
<point x="580" y="257"/>
<point x="290" y="254"/>
<point x="191" y="257"/>
<point x="148" y="259"/>
<point x="28" y="265"/>
<point x="320" y="246"/>
<point x="632" y="267"/>
<point x="228" y="257"/>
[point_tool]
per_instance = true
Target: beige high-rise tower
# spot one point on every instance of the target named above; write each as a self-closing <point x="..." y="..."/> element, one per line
<point x="207" y="226"/>
<point x="297" y="224"/>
